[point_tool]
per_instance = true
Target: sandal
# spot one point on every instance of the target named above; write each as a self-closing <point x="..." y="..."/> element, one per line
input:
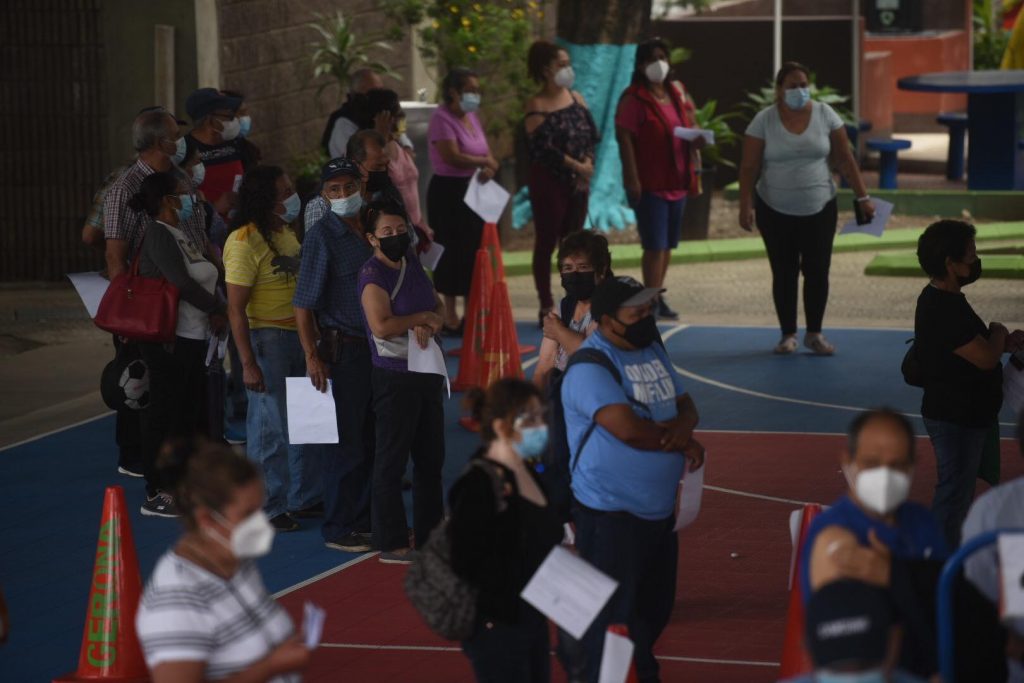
<point x="817" y="343"/>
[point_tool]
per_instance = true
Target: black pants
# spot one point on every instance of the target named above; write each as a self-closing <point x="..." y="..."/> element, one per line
<point x="798" y="244"/>
<point x="177" y="398"/>
<point x="409" y="410"/>
<point x="511" y="653"/>
<point x="348" y="467"/>
<point x="127" y="433"/>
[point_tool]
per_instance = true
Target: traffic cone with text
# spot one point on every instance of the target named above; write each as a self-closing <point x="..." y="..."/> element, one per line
<point x="489" y="241"/>
<point x="795" y="660"/>
<point x="477" y="314"/>
<point x="501" y="344"/>
<point x="110" y="647"/>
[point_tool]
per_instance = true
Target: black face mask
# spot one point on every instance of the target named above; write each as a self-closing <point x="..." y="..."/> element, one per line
<point x="377" y="181"/>
<point x="971" y="276"/>
<point x="579" y="286"/>
<point x="642" y="333"/>
<point x="394" y="247"/>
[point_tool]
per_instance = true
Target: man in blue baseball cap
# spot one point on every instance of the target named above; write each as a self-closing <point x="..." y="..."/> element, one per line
<point x="329" y="318"/>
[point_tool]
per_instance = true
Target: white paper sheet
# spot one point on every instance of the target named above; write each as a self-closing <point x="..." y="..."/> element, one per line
<point x="616" y="658"/>
<point x="569" y="591"/>
<point x="236" y="184"/>
<point x="488" y="199"/>
<point x="883" y="210"/>
<point x="796" y="518"/>
<point x="1011" y="569"/>
<point x="691" y="490"/>
<point x="429" y="360"/>
<point x="1013" y="382"/>
<point x="313" y="618"/>
<point x="311" y="416"/>
<point x="90" y="287"/>
<point x="432" y="256"/>
<point x="691" y="134"/>
<point x="216" y="345"/>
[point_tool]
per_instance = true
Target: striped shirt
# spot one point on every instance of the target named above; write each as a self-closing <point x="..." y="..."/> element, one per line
<point x="188" y="614"/>
<point x="121" y="223"/>
<point x="95" y="217"/>
<point x="317" y="208"/>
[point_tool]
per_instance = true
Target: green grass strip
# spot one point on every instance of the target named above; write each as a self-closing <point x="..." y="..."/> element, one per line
<point x="1000" y="266"/>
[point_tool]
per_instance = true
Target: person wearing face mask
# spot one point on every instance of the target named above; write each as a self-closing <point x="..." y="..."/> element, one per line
<point x="659" y="170"/>
<point x="351" y="116"/>
<point x="400" y="158"/>
<point x="499" y="539"/>
<point x="632" y="440"/>
<point x="562" y="140"/>
<point x="961" y="359"/>
<point x="584" y="261"/>
<point x="205" y="614"/>
<point x="215" y="132"/>
<point x="398" y="298"/>
<point x="249" y="153"/>
<point x="215" y="225"/>
<point x="458" y="149"/>
<point x="786" y="188"/>
<point x="262" y="263"/>
<point x="330" y="322"/>
<point x="177" y="371"/>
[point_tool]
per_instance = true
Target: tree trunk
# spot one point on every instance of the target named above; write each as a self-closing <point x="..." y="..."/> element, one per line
<point x="589" y="22"/>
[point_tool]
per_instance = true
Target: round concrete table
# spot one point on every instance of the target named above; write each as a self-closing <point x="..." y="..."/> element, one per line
<point x="995" y="112"/>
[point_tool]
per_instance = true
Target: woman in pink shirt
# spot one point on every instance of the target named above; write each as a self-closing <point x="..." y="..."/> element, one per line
<point x="458" y="148"/>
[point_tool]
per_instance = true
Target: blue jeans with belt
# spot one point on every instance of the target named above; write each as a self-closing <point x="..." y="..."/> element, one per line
<point x="292" y="475"/>
<point x="958" y="452"/>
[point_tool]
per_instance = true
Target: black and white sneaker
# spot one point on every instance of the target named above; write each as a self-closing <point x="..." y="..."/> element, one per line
<point x="160" y="505"/>
<point x="130" y="471"/>
<point x="351" y="543"/>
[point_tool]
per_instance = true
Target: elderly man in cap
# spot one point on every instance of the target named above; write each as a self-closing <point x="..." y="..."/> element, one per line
<point x="631" y="437"/>
<point x="330" y="322"/>
<point x="215" y="133"/>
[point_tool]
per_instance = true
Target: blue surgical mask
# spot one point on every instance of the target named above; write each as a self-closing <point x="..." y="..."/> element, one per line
<point x="534" y="443"/>
<point x="797" y="98"/>
<point x="187" y="208"/>
<point x="180" y="150"/>
<point x="470" y="102"/>
<point x="291" y="208"/>
<point x="347" y="206"/>
<point x="198" y="174"/>
<point x="246" y="125"/>
<point x="872" y="676"/>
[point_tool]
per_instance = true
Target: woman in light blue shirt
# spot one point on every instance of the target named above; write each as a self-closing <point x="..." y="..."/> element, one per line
<point x="786" y="188"/>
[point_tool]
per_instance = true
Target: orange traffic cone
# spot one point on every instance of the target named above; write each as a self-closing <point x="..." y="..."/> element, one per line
<point x="489" y="241"/>
<point x="622" y="630"/>
<point x="476" y="324"/>
<point x="795" y="660"/>
<point x="110" y="648"/>
<point x="501" y="346"/>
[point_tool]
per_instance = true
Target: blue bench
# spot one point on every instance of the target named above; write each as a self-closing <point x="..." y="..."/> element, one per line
<point x="887" y="150"/>
<point x="957" y="124"/>
<point x="853" y="133"/>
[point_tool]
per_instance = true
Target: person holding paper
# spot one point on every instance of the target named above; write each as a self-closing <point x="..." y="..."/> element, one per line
<point x="397" y="297"/>
<point x="633" y="440"/>
<point x="500" y="538"/>
<point x="562" y="137"/>
<point x="458" y="149"/>
<point x="961" y="359"/>
<point x="786" y="188"/>
<point x="205" y="614"/>
<point x="659" y="170"/>
<point x="584" y="261"/>
<point x="330" y="322"/>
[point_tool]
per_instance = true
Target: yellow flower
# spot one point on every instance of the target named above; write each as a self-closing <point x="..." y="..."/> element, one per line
<point x="454" y="9"/>
<point x="436" y="24"/>
<point x="477" y="7"/>
<point x="517" y="14"/>
<point x="472" y="48"/>
<point x="532" y="4"/>
<point x="466" y="22"/>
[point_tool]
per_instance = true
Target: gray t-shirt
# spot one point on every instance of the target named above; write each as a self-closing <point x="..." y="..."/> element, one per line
<point x="795" y="177"/>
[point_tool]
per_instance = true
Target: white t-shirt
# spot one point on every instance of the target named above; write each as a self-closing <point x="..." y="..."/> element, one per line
<point x="795" y="177"/>
<point x="344" y="128"/>
<point x="192" y="322"/>
<point x="188" y="614"/>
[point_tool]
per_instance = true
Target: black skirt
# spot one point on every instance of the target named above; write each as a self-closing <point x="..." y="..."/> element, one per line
<point x="458" y="229"/>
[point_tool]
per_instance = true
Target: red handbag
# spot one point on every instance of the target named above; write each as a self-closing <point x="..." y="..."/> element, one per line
<point x="139" y="308"/>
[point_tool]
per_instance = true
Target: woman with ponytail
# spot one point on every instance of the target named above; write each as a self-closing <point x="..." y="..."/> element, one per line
<point x="177" y="373"/>
<point x="205" y="614"/>
<point x="500" y="535"/>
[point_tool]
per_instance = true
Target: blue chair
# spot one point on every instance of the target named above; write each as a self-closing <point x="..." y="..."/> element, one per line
<point x="957" y="124"/>
<point x="887" y="150"/>
<point x="853" y="133"/>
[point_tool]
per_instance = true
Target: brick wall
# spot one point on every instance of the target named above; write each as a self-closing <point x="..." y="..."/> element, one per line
<point x="265" y="54"/>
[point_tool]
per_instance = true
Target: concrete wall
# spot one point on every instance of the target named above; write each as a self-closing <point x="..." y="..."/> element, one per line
<point x="265" y="54"/>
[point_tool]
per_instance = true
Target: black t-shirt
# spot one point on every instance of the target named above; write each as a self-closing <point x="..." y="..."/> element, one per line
<point x="955" y="390"/>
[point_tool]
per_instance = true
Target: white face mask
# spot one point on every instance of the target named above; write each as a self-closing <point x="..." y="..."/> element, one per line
<point x="250" y="538"/>
<point x="565" y="77"/>
<point x="180" y="150"/>
<point x="231" y="129"/>
<point x="881" y="489"/>
<point x="656" y="72"/>
<point x="347" y="206"/>
<point x="198" y="173"/>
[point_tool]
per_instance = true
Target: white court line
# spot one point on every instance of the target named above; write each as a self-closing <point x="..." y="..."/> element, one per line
<point x="761" y="496"/>
<point x="323" y="575"/>
<point x="438" y="648"/>
<point x="58" y="430"/>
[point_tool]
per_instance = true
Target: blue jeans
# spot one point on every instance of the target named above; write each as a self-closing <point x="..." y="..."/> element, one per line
<point x="957" y="458"/>
<point x="292" y="475"/>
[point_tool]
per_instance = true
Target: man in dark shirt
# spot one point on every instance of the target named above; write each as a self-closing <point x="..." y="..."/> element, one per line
<point x="327" y="306"/>
<point x="215" y="133"/>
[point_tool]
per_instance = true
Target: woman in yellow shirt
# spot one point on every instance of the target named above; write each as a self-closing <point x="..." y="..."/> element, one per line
<point x="261" y="260"/>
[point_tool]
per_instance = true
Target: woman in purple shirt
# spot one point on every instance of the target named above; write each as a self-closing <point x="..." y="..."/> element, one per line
<point x="458" y="148"/>
<point x="397" y="298"/>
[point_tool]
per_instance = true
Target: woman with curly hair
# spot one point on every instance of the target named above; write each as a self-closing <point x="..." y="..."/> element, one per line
<point x="261" y="260"/>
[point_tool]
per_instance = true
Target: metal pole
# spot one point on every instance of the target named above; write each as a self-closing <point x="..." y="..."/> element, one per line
<point x="777" y="38"/>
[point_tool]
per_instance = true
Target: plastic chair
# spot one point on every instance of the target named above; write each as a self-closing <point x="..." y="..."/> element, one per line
<point x="887" y="165"/>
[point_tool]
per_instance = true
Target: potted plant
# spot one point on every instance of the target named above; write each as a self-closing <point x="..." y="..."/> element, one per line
<point x="339" y="52"/>
<point x="696" y="215"/>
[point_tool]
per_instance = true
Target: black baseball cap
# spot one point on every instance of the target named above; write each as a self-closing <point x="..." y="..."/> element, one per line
<point x="615" y="292"/>
<point x="205" y="101"/>
<point x="848" y="625"/>
<point x="339" y="166"/>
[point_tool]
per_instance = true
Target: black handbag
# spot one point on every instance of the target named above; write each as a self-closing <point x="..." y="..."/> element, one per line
<point x="913" y="371"/>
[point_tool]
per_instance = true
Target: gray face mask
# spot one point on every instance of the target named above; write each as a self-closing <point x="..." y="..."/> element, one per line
<point x="347" y="206"/>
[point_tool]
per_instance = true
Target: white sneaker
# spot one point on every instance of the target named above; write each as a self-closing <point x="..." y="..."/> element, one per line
<point x="818" y="344"/>
<point x="786" y="345"/>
